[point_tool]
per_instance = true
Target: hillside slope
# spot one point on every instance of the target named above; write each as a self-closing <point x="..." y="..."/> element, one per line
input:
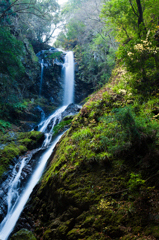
<point x="102" y="182"/>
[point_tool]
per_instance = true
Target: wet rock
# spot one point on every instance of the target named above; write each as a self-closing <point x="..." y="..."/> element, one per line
<point x="82" y="88"/>
<point x="38" y="46"/>
<point x="72" y="109"/>
<point x="3" y="208"/>
<point x="23" y="234"/>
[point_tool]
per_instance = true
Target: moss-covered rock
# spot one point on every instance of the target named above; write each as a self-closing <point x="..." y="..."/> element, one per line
<point x="15" y="144"/>
<point x="102" y="182"/>
<point x="23" y="234"/>
<point x="63" y="125"/>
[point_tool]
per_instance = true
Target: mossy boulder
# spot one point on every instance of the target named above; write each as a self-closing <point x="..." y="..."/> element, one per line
<point x="23" y="234"/>
<point x="15" y="144"/>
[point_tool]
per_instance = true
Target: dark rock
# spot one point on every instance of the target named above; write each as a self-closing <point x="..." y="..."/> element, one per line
<point x="82" y="88"/>
<point x="38" y="46"/>
<point x="72" y="109"/>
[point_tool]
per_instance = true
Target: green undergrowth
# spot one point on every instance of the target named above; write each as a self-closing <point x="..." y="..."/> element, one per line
<point x="4" y="125"/>
<point x="106" y="168"/>
<point x="14" y="144"/>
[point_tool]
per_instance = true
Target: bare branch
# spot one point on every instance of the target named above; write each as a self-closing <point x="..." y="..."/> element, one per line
<point x="4" y="13"/>
<point x="133" y="9"/>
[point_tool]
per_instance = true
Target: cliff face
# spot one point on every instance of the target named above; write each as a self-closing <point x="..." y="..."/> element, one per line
<point x="102" y="180"/>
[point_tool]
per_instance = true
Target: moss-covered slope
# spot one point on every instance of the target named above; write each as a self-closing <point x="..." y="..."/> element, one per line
<point x="103" y="179"/>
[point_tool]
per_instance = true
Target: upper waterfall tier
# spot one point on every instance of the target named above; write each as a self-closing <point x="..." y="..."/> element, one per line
<point x="69" y="79"/>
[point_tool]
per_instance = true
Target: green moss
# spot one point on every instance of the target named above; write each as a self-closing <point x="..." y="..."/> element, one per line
<point x="60" y="127"/>
<point x="46" y="235"/>
<point x="23" y="234"/>
<point x="76" y="233"/>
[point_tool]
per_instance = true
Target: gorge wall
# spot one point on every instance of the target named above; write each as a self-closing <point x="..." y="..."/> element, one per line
<point x="25" y="112"/>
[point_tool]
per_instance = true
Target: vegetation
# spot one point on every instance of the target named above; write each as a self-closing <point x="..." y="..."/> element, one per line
<point x="135" y="24"/>
<point x="103" y="178"/>
<point x="102" y="182"/>
<point x="104" y="170"/>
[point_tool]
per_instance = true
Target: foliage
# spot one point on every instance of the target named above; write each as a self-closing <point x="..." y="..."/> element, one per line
<point x="124" y="16"/>
<point x="134" y="24"/>
<point x="11" y="68"/>
<point x="4" y="125"/>
<point x="10" y="54"/>
<point x="141" y="57"/>
<point x="135" y="181"/>
<point x="124" y="128"/>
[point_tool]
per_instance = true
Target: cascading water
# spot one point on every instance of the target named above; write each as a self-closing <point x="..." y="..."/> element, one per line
<point x="69" y="79"/>
<point x="15" y="197"/>
<point x="11" y="218"/>
<point x="41" y="79"/>
<point x="42" y="113"/>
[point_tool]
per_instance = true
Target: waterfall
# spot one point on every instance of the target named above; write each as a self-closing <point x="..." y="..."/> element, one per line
<point x="11" y="218"/>
<point x="41" y="79"/>
<point x="15" y="197"/>
<point x="69" y="79"/>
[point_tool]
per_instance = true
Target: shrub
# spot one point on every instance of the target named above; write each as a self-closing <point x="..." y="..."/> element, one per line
<point x="141" y="58"/>
<point x="123" y="128"/>
<point x="135" y="182"/>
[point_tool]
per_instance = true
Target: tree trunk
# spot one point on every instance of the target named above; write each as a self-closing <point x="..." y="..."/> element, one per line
<point x="140" y="19"/>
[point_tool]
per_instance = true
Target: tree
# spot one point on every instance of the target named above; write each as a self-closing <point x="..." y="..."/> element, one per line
<point x="40" y="9"/>
<point x="35" y="19"/>
<point x="134" y="23"/>
<point x="129" y="19"/>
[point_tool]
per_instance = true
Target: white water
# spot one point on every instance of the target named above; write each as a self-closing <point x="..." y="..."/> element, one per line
<point x="56" y="116"/>
<point x="69" y="79"/>
<point x="12" y="192"/>
<point x="11" y="218"/>
<point x="15" y="199"/>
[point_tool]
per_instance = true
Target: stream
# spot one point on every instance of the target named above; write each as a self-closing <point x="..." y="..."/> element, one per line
<point x="16" y="194"/>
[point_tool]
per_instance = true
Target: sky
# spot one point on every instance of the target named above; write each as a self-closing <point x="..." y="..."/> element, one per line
<point x="57" y="30"/>
<point x="62" y="1"/>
